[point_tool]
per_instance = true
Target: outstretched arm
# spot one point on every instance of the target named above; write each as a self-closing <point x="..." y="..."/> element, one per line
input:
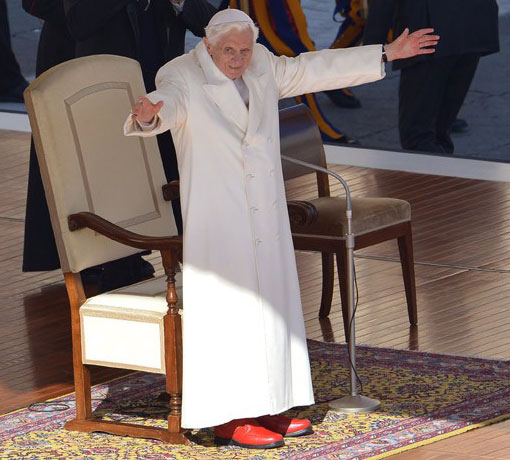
<point x="341" y="68"/>
<point x="163" y="109"/>
<point x="327" y="69"/>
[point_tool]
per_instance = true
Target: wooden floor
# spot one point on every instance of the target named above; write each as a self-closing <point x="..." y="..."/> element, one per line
<point x="462" y="252"/>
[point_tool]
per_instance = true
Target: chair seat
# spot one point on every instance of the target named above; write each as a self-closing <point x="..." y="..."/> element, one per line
<point x="148" y="295"/>
<point x="124" y="328"/>
<point x="368" y="214"/>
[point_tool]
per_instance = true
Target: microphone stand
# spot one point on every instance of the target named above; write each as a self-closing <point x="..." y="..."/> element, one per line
<point x="354" y="402"/>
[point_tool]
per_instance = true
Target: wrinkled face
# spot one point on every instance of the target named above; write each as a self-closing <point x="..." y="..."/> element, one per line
<point x="232" y="52"/>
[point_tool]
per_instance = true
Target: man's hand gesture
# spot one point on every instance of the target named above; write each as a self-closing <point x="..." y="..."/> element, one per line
<point x="145" y="110"/>
<point x="408" y="45"/>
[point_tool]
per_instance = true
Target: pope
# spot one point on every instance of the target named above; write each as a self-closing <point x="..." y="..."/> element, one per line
<point x="245" y="359"/>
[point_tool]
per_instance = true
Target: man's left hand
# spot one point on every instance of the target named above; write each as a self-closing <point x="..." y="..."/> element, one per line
<point x="408" y="45"/>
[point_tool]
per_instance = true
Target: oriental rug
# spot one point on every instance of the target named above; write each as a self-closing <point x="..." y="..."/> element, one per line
<point x="424" y="398"/>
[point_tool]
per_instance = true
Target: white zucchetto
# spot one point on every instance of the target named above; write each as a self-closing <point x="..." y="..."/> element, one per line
<point x="229" y="15"/>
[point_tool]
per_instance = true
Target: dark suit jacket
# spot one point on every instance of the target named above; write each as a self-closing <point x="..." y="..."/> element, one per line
<point x="10" y="72"/>
<point x="55" y="43"/>
<point x="111" y="27"/>
<point x="465" y="26"/>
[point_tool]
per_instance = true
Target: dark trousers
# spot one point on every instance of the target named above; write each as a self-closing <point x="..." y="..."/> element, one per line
<point x="431" y="94"/>
<point x="169" y="159"/>
<point x="10" y="73"/>
<point x="40" y="251"/>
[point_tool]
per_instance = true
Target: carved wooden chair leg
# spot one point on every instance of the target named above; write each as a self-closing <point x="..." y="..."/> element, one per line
<point x="173" y="349"/>
<point x="405" y="246"/>
<point x="327" y="329"/>
<point x="342" y="283"/>
<point x="81" y="372"/>
<point x="328" y="282"/>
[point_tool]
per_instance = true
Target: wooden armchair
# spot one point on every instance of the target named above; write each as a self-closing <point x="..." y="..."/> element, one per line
<point x="90" y="169"/>
<point x="320" y="224"/>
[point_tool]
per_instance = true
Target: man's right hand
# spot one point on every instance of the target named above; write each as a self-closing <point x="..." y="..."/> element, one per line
<point x="145" y="110"/>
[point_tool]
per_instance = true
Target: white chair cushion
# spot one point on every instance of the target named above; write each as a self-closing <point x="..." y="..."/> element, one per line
<point x="124" y="328"/>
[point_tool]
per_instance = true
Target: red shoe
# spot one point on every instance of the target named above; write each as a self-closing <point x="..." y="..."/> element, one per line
<point x="286" y="426"/>
<point x="246" y="432"/>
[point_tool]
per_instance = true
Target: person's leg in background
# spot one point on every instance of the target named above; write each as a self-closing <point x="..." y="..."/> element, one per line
<point x="460" y="78"/>
<point x="350" y="34"/>
<point x="169" y="159"/>
<point x="40" y="251"/>
<point x="421" y="91"/>
<point x="12" y="82"/>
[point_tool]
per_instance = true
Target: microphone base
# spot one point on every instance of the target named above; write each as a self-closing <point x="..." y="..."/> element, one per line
<point x="352" y="404"/>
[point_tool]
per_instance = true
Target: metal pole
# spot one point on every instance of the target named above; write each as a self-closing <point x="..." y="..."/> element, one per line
<point x="349" y="246"/>
<point x="354" y="402"/>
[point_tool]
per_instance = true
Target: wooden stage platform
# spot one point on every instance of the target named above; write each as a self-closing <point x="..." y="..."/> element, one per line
<point x="462" y="253"/>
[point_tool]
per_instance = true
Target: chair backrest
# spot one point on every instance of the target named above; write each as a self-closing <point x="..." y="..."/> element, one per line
<point x="300" y="138"/>
<point x="77" y="111"/>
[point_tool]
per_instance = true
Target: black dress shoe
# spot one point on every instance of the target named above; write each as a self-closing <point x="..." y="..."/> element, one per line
<point x="118" y="273"/>
<point x="343" y="98"/>
<point x="92" y="275"/>
<point x="124" y="272"/>
<point x="143" y="269"/>
<point x="459" y="125"/>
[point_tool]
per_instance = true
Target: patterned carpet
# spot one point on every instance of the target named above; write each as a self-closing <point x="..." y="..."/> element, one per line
<point x="424" y="398"/>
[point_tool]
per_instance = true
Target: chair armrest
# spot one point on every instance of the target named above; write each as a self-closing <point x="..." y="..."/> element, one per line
<point x="171" y="190"/>
<point x="302" y="213"/>
<point x="119" y="234"/>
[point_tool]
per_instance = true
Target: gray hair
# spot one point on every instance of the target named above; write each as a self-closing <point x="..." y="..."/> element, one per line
<point x="214" y="32"/>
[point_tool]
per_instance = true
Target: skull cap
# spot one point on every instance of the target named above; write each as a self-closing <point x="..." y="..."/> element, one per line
<point x="228" y="16"/>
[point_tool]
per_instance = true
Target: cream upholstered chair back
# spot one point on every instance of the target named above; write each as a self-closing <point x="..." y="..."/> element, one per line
<point x="77" y="111"/>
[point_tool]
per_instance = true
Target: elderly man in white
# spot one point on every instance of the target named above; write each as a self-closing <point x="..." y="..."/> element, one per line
<point x="245" y="355"/>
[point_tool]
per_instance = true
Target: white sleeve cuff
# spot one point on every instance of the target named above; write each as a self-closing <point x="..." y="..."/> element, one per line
<point x="149" y="126"/>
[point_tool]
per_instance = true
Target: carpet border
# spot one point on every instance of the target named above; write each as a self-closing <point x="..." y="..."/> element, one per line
<point x="424" y="352"/>
<point x="441" y="437"/>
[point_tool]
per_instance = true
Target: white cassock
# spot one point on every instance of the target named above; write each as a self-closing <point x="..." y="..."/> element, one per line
<point x="244" y="342"/>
